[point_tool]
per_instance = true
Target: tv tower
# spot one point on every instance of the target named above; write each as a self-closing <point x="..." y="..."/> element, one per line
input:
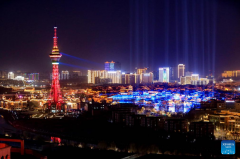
<point x="55" y="94"/>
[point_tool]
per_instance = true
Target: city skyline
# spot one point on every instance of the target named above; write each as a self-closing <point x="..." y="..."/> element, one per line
<point x="144" y="38"/>
<point x="119" y="79"/>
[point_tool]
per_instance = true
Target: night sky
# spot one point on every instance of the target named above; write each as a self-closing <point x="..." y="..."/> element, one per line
<point x="202" y="34"/>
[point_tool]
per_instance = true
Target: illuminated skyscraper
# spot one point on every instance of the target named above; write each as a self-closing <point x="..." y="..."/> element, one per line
<point x="10" y="75"/>
<point x="109" y="66"/>
<point x="181" y="70"/>
<point x="115" y="76"/>
<point x="141" y="71"/>
<point x="92" y="74"/>
<point x="130" y="79"/>
<point x="55" y="94"/>
<point x="164" y="74"/>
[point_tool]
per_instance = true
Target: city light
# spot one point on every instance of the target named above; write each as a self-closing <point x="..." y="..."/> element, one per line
<point x="175" y="102"/>
<point x="170" y="87"/>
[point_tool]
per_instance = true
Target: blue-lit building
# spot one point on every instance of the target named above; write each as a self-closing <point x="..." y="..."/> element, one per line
<point x="109" y="66"/>
<point x="167" y="101"/>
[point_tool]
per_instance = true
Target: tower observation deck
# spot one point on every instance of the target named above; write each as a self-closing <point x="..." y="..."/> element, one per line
<point x="55" y="97"/>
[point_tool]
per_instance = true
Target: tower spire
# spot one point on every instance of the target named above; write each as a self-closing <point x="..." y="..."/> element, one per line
<point x="55" y="49"/>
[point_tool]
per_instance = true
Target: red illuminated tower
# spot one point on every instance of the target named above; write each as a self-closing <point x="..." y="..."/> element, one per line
<point x="55" y="94"/>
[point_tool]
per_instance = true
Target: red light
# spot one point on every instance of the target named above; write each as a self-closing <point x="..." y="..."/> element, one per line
<point x="55" y="38"/>
<point x="55" y="94"/>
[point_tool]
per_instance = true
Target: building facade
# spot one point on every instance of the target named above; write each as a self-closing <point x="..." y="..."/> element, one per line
<point x="181" y="70"/>
<point x="164" y="74"/>
<point x="65" y="75"/>
<point x="33" y="76"/>
<point x="201" y="129"/>
<point x="146" y="78"/>
<point x="109" y="66"/>
<point x="94" y="75"/>
<point x="10" y="75"/>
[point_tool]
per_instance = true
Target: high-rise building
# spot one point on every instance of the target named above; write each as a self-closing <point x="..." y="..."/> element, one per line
<point x="79" y="73"/>
<point x="55" y="94"/>
<point x="123" y="79"/>
<point x="188" y="79"/>
<point x="146" y="77"/>
<point x="195" y="77"/>
<point x="109" y="66"/>
<point x="141" y="70"/>
<point x="65" y="75"/>
<point x="173" y="73"/>
<point x="137" y="78"/>
<point x="10" y="75"/>
<point x="19" y="78"/>
<point x="201" y="81"/>
<point x="204" y="81"/>
<point x="75" y="74"/>
<point x="96" y="73"/>
<point x="164" y="74"/>
<point x="115" y="76"/>
<point x="117" y="66"/>
<point x="127" y="79"/>
<point x="235" y="73"/>
<point x="156" y="75"/>
<point x="181" y="70"/>
<point x="33" y="76"/>
<point x="183" y="80"/>
<point x="130" y="78"/>
<point x="211" y="79"/>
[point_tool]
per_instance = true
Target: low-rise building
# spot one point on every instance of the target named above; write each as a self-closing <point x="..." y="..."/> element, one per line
<point x="201" y="129"/>
<point x="176" y="125"/>
<point x="221" y="105"/>
<point x="225" y="120"/>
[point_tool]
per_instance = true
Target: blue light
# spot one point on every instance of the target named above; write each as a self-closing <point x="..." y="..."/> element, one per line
<point x="84" y="60"/>
<point x="73" y="65"/>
